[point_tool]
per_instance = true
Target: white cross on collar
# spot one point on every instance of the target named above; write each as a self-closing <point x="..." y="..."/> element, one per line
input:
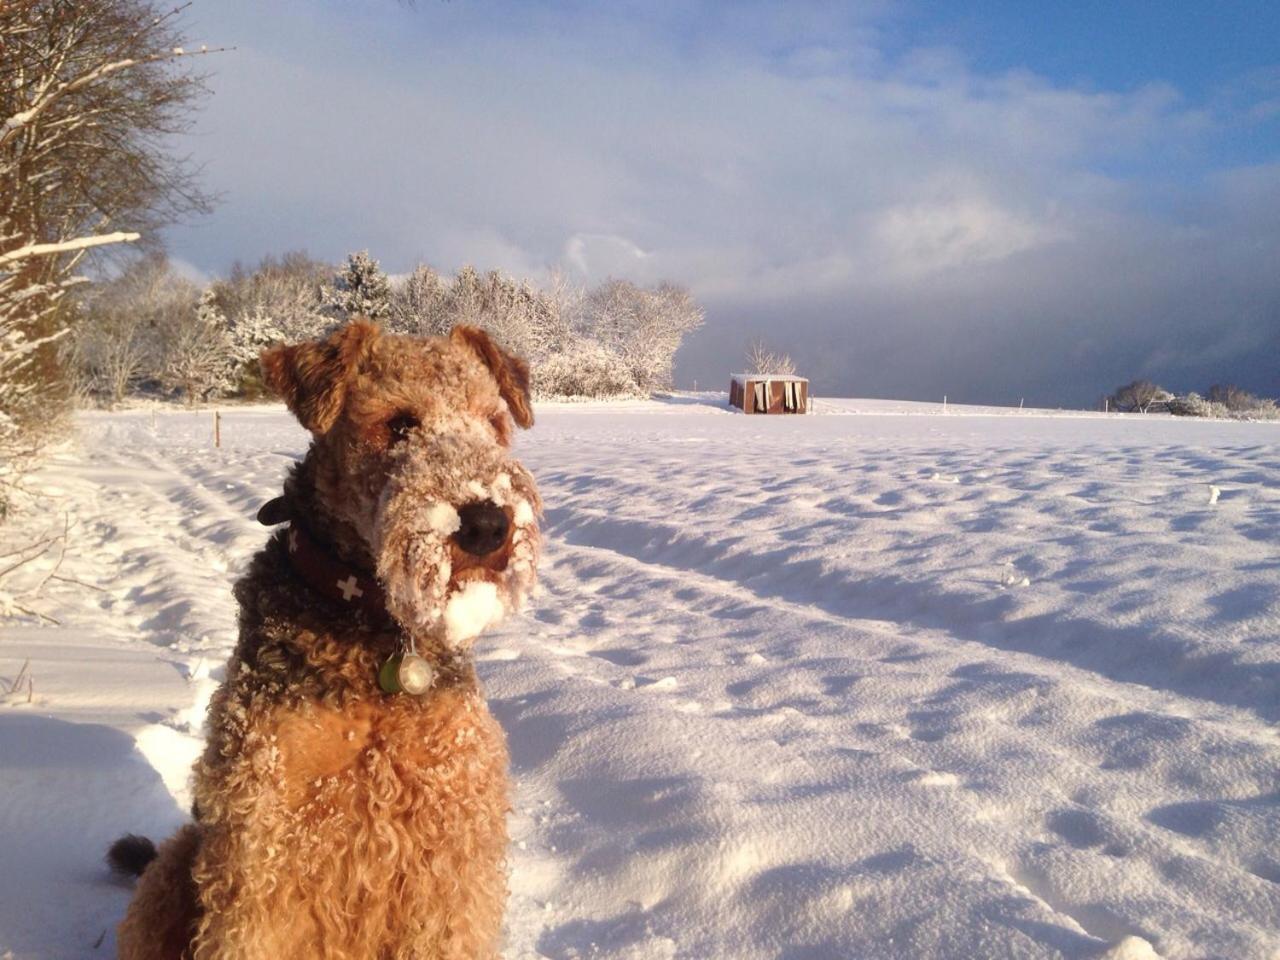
<point x="349" y="588"/>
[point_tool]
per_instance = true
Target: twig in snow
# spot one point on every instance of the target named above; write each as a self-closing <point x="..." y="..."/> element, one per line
<point x="36" y="613"/>
<point x="79" y="583"/>
<point x="62" y="554"/>
<point x="27" y="546"/>
<point x="17" y="681"/>
<point x="25" y="560"/>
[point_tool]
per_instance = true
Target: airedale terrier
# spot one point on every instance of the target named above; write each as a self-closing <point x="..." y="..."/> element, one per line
<point x="351" y="800"/>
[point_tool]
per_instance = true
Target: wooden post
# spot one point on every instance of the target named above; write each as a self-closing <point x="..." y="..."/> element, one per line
<point x="217" y="428"/>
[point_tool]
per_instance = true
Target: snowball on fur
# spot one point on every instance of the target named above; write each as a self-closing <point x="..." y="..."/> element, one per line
<point x="523" y="514"/>
<point x="471" y="610"/>
<point x="443" y="519"/>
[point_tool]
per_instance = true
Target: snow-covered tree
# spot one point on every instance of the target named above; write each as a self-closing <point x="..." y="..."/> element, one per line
<point x="88" y="105"/>
<point x="248" y="334"/>
<point x="643" y="327"/>
<point x="1138" y="397"/>
<point x="466" y="298"/>
<point x="531" y="321"/>
<point x="761" y="359"/>
<point x="419" y="304"/>
<point x="197" y="358"/>
<point x="277" y="301"/>
<point x="124" y="325"/>
<point x="360" y="289"/>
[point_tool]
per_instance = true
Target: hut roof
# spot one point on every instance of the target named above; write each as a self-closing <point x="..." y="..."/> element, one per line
<point x="744" y="377"/>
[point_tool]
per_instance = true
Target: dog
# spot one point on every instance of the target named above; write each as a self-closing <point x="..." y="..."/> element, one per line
<point x="351" y="800"/>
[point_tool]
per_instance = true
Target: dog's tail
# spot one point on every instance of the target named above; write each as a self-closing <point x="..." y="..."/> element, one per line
<point x="130" y="855"/>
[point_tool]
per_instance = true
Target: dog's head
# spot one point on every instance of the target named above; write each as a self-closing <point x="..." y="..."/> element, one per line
<point x="410" y="473"/>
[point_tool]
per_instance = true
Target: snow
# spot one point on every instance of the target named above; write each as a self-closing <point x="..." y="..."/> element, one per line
<point x="894" y="681"/>
<point x="472" y="610"/>
<point x="443" y="519"/>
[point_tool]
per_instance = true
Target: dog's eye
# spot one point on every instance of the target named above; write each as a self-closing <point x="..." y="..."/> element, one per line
<point x="398" y="427"/>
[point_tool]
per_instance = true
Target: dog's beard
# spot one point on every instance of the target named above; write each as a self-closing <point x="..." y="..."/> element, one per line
<point x="418" y="514"/>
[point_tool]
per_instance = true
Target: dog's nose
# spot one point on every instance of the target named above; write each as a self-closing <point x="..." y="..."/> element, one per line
<point x="482" y="528"/>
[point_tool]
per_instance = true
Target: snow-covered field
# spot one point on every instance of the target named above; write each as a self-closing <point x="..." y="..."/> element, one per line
<point x="890" y="684"/>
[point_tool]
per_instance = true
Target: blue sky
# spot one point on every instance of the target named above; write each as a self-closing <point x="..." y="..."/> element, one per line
<point x="985" y="200"/>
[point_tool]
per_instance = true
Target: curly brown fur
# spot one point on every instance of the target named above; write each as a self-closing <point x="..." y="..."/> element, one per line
<point x="336" y="820"/>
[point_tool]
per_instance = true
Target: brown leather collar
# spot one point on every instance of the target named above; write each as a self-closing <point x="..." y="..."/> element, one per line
<point x="334" y="580"/>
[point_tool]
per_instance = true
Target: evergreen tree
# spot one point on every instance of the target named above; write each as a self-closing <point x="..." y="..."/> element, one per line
<point x="361" y="289"/>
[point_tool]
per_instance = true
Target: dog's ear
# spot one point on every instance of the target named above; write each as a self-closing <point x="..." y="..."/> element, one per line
<point x="510" y="371"/>
<point x="312" y="378"/>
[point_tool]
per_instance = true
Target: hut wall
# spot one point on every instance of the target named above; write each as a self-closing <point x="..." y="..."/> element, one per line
<point x="743" y="395"/>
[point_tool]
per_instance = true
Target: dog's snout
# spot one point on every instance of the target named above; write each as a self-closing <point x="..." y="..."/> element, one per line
<point x="482" y="528"/>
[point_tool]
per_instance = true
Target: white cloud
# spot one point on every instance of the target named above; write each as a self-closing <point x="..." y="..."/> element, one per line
<point x="924" y="237"/>
<point x="597" y="256"/>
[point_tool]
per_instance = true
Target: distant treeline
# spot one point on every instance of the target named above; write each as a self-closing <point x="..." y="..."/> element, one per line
<point x="152" y="331"/>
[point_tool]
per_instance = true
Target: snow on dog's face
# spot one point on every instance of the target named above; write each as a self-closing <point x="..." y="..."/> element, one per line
<point x="410" y="473"/>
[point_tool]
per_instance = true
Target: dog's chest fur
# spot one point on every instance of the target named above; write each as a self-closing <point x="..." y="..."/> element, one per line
<point x="317" y="787"/>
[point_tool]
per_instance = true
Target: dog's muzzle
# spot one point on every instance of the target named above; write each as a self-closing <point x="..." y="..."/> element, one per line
<point x="456" y="536"/>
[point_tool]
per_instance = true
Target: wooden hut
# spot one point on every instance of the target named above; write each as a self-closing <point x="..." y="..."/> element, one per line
<point x="769" y="393"/>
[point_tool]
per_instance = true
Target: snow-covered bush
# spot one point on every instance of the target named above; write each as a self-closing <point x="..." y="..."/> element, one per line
<point x="587" y="369"/>
<point x="1243" y="406"/>
<point x="1194" y="405"/>
<point x="1240" y="404"/>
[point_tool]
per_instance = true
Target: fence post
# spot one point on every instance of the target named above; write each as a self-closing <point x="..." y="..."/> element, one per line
<point x="217" y="428"/>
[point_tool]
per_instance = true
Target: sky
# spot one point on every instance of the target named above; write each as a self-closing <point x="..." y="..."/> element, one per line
<point x="993" y="201"/>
